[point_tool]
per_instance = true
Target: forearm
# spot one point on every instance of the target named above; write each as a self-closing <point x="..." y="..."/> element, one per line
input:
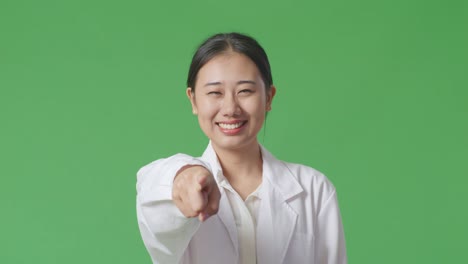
<point x="166" y="232"/>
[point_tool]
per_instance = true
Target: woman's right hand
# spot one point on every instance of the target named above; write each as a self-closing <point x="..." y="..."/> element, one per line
<point x="195" y="192"/>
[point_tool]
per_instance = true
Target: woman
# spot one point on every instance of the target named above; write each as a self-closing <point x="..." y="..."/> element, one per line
<point x="236" y="203"/>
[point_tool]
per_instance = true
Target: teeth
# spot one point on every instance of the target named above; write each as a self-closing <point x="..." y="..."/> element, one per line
<point x="230" y="126"/>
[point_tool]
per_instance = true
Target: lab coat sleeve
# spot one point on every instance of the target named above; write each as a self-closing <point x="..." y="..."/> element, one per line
<point x="330" y="235"/>
<point x="165" y="231"/>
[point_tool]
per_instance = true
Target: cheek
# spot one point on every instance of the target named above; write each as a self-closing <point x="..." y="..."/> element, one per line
<point x="256" y="108"/>
<point x="206" y="111"/>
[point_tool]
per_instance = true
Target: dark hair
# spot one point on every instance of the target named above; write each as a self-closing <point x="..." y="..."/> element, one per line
<point x="224" y="42"/>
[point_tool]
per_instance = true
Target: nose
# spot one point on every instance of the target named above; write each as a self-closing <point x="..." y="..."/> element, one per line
<point x="230" y="106"/>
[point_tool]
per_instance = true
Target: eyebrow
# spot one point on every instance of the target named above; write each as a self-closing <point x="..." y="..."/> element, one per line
<point x="238" y="83"/>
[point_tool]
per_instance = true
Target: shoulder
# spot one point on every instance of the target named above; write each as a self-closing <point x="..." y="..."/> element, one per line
<point x="309" y="179"/>
<point x="156" y="166"/>
<point x="308" y="175"/>
<point x="161" y="172"/>
<point x="315" y="185"/>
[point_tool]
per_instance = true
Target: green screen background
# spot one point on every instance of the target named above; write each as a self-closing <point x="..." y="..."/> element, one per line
<point x="372" y="93"/>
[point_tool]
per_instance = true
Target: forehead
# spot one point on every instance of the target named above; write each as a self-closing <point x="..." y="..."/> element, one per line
<point x="229" y="66"/>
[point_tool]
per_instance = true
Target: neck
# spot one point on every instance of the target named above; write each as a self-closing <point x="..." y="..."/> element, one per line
<point x="240" y="163"/>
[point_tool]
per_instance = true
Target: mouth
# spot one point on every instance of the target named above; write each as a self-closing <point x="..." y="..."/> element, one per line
<point x="230" y="125"/>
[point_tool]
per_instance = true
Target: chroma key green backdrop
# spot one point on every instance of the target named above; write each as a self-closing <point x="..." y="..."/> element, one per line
<point x="372" y="93"/>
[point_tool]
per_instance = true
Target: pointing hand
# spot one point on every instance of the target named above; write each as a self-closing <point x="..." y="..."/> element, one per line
<point x="195" y="192"/>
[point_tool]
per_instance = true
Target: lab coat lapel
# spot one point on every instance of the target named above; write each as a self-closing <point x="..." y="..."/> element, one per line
<point x="277" y="220"/>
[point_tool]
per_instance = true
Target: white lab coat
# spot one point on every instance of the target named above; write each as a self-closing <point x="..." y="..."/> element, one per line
<point x="298" y="220"/>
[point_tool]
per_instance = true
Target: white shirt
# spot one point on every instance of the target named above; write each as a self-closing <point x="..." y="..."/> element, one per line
<point x="245" y="216"/>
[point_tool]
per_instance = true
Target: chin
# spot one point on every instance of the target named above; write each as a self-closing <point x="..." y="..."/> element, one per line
<point x="232" y="143"/>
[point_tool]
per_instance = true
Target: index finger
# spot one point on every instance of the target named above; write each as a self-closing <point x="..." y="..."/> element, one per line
<point x="202" y="181"/>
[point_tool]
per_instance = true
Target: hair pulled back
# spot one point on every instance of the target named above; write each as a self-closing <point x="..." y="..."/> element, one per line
<point x="225" y="42"/>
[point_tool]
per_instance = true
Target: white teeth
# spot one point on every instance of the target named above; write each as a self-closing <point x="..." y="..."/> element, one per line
<point x="230" y="126"/>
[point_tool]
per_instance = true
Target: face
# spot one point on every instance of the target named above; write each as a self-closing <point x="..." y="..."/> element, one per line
<point x="230" y="101"/>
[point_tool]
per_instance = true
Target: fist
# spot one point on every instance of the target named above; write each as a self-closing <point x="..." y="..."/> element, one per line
<point x="195" y="192"/>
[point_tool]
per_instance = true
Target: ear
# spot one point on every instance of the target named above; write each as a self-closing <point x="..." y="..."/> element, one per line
<point x="191" y="96"/>
<point x="271" y="93"/>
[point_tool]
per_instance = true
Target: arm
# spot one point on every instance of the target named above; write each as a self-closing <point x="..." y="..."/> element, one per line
<point x="330" y="237"/>
<point x="166" y="232"/>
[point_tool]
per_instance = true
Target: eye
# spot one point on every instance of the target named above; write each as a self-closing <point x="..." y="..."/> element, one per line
<point x="214" y="93"/>
<point x="246" y="91"/>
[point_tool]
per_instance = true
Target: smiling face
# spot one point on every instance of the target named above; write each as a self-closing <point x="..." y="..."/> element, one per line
<point x="230" y="100"/>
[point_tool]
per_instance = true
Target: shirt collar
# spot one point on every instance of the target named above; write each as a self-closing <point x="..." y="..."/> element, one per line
<point x="276" y="172"/>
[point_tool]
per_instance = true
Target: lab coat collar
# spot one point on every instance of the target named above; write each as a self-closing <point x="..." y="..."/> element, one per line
<point x="277" y="220"/>
<point x="274" y="171"/>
